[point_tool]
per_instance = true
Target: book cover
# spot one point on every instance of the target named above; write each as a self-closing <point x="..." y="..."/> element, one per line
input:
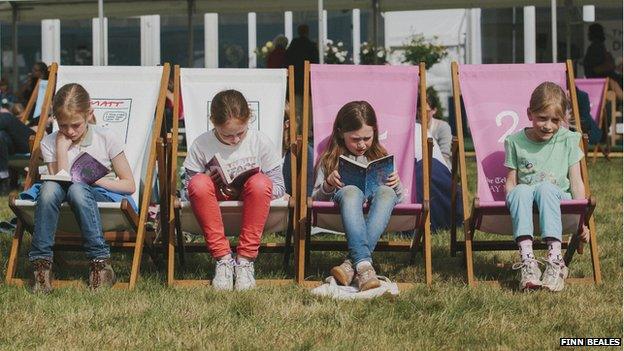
<point x="368" y="176"/>
<point x="85" y="169"/>
<point x="235" y="173"/>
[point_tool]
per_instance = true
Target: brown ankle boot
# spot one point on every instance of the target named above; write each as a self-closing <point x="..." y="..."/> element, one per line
<point x="367" y="278"/>
<point x="101" y="274"/>
<point x="42" y="271"/>
<point x="343" y="273"/>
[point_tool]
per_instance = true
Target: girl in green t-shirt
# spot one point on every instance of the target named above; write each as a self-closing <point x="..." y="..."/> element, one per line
<point x="543" y="168"/>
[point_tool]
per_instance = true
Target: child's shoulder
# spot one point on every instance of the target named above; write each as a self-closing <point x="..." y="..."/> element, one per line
<point x="516" y="137"/>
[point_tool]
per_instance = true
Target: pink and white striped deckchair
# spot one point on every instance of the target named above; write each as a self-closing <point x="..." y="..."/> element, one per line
<point x="496" y="98"/>
<point x="393" y="93"/>
<point x="596" y="88"/>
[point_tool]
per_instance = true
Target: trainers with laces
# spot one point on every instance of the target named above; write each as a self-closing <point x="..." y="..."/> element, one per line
<point x="367" y="278"/>
<point x="343" y="273"/>
<point x="245" y="280"/>
<point x="529" y="274"/>
<point x="224" y="275"/>
<point x="554" y="275"/>
<point x="101" y="274"/>
<point x="42" y="271"/>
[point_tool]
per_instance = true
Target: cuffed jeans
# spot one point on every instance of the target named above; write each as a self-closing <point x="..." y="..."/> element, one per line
<point x="363" y="234"/>
<point x="83" y="200"/>
<point x="547" y="197"/>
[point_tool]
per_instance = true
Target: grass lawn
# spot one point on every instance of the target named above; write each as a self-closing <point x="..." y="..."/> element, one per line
<point x="449" y="315"/>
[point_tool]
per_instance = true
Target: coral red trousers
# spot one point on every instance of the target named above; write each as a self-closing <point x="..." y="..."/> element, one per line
<point x="256" y="197"/>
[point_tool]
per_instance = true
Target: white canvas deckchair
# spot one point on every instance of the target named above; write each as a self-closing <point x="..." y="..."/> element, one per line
<point x="265" y="91"/>
<point x="129" y="100"/>
<point x="496" y="99"/>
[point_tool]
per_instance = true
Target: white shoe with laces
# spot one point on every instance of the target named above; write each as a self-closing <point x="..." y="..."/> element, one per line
<point x="530" y="274"/>
<point x="224" y="275"/>
<point x="554" y="275"/>
<point x="245" y="279"/>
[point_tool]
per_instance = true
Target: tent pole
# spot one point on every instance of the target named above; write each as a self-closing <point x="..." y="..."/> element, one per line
<point x="375" y="27"/>
<point x="553" y="28"/>
<point x="321" y="36"/>
<point x="101" y="20"/>
<point x="14" y="39"/>
<point x="190" y="37"/>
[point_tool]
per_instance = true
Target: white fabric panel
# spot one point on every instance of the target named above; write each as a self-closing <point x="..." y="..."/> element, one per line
<point x="124" y="99"/>
<point x="501" y="224"/>
<point x="264" y="89"/>
<point x="232" y="219"/>
<point x="110" y="213"/>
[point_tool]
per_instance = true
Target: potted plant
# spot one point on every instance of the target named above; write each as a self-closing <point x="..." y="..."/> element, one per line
<point x="418" y="49"/>
<point x="335" y="53"/>
<point x="372" y="55"/>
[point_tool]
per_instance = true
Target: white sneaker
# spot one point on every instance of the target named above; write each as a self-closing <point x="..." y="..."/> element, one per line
<point x="244" y="276"/>
<point x="529" y="274"/>
<point x="554" y="275"/>
<point x="224" y="275"/>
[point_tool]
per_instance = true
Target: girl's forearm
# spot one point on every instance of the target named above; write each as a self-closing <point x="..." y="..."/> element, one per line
<point x="578" y="190"/>
<point x="120" y="186"/>
<point x="62" y="162"/>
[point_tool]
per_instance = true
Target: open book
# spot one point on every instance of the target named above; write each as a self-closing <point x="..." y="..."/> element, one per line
<point x="367" y="177"/>
<point x="85" y="169"/>
<point x="233" y="174"/>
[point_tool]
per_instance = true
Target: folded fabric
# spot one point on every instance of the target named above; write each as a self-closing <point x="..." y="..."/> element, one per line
<point x="340" y="292"/>
<point x="32" y="194"/>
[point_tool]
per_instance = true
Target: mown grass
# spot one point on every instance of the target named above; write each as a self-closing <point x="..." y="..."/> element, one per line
<point x="449" y="315"/>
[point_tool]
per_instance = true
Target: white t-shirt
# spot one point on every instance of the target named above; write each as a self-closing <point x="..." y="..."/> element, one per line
<point x="255" y="145"/>
<point x="101" y="143"/>
<point x="436" y="153"/>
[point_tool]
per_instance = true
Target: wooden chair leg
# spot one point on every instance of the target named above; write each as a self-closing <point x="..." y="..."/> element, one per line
<point x="468" y="255"/>
<point x="414" y="248"/>
<point x="427" y="255"/>
<point x="287" y="244"/>
<point x="593" y="241"/>
<point x="14" y="253"/>
<point x="180" y="240"/>
<point x="171" y="255"/>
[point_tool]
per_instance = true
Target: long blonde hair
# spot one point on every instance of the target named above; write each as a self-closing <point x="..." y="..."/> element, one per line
<point x="71" y="101"/>
<point x="351" y="117"/>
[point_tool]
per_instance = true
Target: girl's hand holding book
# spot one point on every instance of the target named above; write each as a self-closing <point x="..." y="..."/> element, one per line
<point x="332" y="181"/>
<point x="231" y="192"/>
<point x="393" y="179"/>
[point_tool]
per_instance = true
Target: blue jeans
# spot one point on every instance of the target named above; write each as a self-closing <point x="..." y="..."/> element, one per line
<point x="547" y="197"/>
<point x="83" y="202"/>
<point x="363" y="234"/>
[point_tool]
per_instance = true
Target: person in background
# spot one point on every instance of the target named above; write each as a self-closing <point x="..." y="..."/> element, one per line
<point x="277" y="57"/>
<point x="598" y="62"/>
<point x="13" y="140"/>
<point x="39" y="71"/>
<point x="439" y="130"/>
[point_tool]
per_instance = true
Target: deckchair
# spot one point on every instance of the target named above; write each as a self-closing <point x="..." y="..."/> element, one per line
<point x="596" y="88"/>
<point x="129" y="100"/>
<point x="393" y="93"/>
<point x="496" y="99"/>
<point x="265" y="91"/>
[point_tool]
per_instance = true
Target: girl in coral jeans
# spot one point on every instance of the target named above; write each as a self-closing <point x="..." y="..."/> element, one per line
<point x="236" y="144"/>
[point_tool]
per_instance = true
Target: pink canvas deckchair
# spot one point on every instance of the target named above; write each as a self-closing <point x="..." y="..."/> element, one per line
<point x="596" y="88"/>
<point x="393" y="93"/>
<point x="496" y="98"/>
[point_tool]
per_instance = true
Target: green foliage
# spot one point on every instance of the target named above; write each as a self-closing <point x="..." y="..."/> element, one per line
<point x="372" y="55"/>
<point x="418" y="49"/>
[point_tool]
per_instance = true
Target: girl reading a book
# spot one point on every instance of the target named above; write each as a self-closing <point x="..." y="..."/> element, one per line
<point x="72" y="110"/>
<point x="355" y="134"/>
<point x="543" y="168"/>
<point x="232" y="141"/>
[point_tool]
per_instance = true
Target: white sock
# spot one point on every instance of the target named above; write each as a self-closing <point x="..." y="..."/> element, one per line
<point x="227" y="257"/>
<point x="554" y="249"/>
<point x="363" y="264"/>
<point x="525" y="244"/>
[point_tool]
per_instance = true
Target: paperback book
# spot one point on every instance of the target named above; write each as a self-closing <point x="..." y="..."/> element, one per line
<point x="368" y="176"/>
<point x="233" y="174"/>
<point x="85" y="169"/>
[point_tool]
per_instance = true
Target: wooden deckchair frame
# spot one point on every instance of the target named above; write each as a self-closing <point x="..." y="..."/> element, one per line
<point x="604" y="127"/>
<point x="459" y="178"/>
<point x="304" y="244"/>
<point x="133" y="239"/>
<point x="173" y="225"/>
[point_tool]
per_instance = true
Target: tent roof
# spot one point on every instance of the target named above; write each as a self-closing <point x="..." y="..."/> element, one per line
<point x="35" y="10"/>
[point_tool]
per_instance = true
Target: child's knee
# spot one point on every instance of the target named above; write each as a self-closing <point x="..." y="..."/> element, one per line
<point x="385" y="192"/>
<point x="520" y="192"/>
<point x="259" y="184"/>
<point x="50" y="192"/>
<point x="79" y="193"/>
<point x="201" y="184"/>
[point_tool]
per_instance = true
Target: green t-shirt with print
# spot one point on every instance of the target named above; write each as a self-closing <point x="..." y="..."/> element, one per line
<point x="536" y="162"/>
